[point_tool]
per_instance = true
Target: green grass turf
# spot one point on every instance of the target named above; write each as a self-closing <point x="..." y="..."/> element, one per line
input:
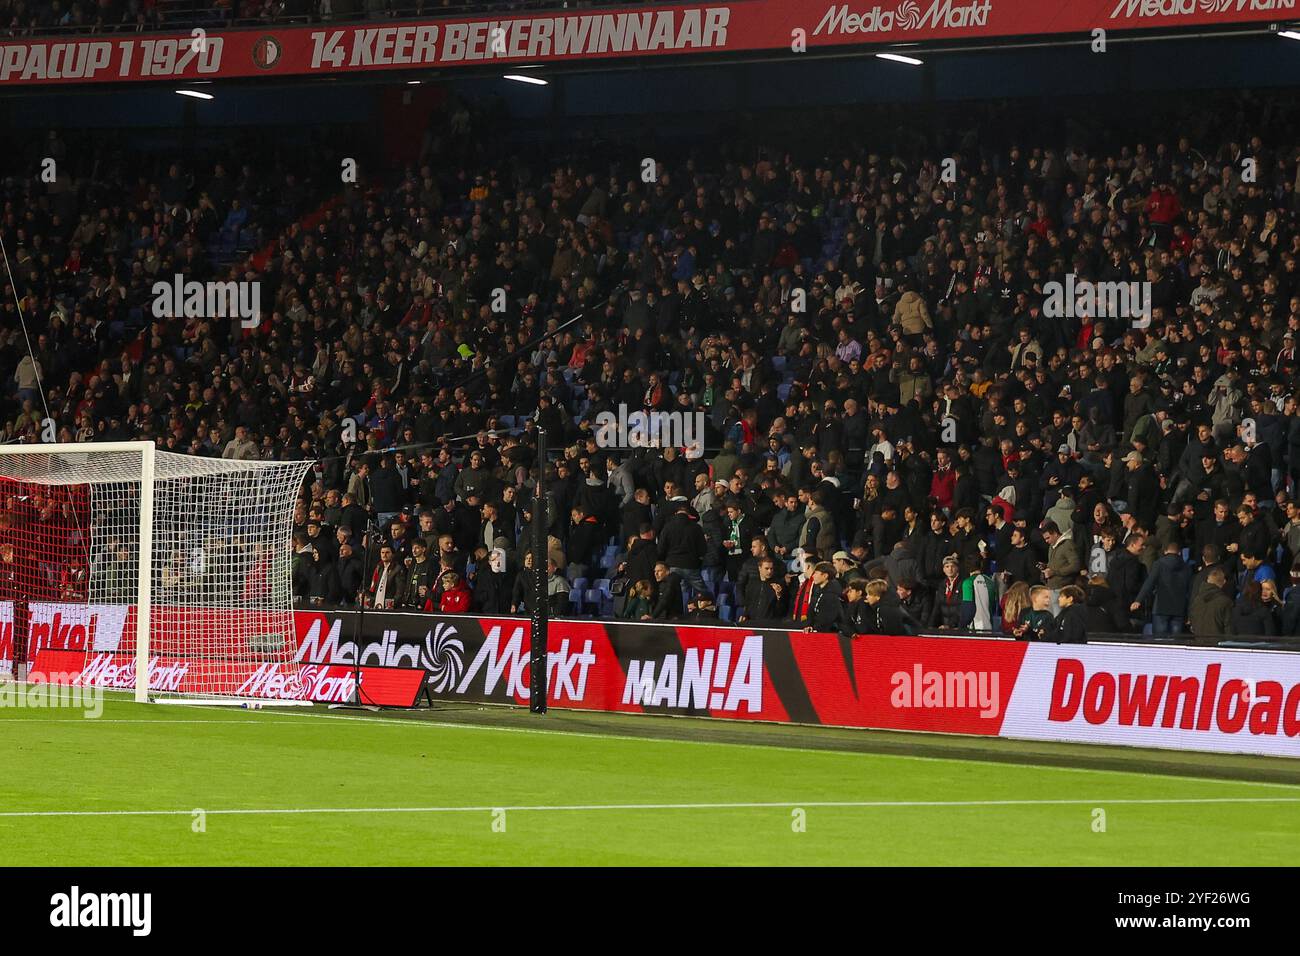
<point x="184" y="758"/>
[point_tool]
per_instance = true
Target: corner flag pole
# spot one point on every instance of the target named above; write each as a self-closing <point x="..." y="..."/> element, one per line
<point x="538" y="690"/>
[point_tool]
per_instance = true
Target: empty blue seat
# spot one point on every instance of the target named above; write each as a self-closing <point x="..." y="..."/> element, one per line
<point x="783" y="391"/>
<point x="602" y="585"/>
<point x="577" y="583"/>
<point x="592" y="601"/>
<point x="725" y="613"/>
<point x="778" y="364"/>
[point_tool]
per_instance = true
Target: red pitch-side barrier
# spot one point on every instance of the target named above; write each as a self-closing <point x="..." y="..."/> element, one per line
<point x="1182" y="698"/>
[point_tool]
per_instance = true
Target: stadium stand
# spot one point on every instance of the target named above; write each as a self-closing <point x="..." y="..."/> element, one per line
<point x="886" y="389"/>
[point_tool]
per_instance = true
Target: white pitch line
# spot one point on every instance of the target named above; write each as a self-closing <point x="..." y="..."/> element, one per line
<point x="50" y="721"/>
<point x="592" y="807"/>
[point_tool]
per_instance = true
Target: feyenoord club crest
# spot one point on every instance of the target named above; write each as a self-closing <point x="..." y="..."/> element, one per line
<point x="266" y="52"/>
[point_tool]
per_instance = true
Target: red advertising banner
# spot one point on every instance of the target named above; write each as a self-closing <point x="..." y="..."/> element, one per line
<point x="600" y="34"/>
<point x="1187" y="698"/>
<point x="1184" y="698"/>
<point x="322" y="683"/>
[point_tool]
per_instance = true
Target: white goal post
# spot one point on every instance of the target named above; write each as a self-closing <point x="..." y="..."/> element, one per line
<point x="119" y="560"/>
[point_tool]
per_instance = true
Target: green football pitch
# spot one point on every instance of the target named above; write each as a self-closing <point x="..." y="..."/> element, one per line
<point x="184" y="785"/>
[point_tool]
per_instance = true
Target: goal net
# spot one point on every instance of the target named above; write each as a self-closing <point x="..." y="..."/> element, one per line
<point x="122" y="566"/>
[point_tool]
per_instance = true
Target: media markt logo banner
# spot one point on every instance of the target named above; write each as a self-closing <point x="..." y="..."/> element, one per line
<point x="1126" y="9"/>
<point x="908" y="15"/>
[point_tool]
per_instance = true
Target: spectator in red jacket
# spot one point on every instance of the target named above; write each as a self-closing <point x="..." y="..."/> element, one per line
<point x="455" y="598"/>
<point x="1162" y="209"/>
<point x="943" y="485"/>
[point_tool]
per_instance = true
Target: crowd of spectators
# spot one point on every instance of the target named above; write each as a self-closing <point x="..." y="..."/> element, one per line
<point x="919" y="447"/>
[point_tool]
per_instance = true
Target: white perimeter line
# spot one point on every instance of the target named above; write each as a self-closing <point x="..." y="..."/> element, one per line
<point x="265" y="717"/>
<point x="121" y="719"/>
<point x="651" y="806"/>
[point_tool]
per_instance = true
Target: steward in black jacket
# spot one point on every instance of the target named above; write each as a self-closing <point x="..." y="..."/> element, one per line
<point x="682" y="544"/>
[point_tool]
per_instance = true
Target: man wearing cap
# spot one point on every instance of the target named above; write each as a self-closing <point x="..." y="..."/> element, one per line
<point x="1062" y="472"/>
<point x="1142" y="489"/>
<point x="846" y="568"/>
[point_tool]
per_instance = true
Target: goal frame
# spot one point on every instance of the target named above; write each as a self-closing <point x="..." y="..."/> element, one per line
<point x="144" y="565"/>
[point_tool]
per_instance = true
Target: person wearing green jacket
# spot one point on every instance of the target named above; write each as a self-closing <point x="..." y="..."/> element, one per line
<point x="637" y="607"/>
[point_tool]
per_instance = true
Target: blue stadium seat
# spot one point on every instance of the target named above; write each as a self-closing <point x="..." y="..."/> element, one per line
<point x="783" y="391"/>
<point x="592" y="601"/>
<point x="602" y="585"/>
<point x="725" y="613"/>
<point x="778" y="364"/>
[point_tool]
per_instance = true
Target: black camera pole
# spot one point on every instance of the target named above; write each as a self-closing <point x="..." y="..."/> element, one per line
<point x="358" y="627"/>
<point x="538" y="690"/>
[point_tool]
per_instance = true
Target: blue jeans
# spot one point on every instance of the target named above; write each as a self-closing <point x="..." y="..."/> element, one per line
<point x="695" y="580"/>
<point x="1166" y="624"/>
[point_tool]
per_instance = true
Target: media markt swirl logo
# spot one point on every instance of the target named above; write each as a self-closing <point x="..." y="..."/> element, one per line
<point x="299" y="686"/>
<point x="266" y="52"/>
<point x="443" y="656"/>
<point x="909" y="15"/>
